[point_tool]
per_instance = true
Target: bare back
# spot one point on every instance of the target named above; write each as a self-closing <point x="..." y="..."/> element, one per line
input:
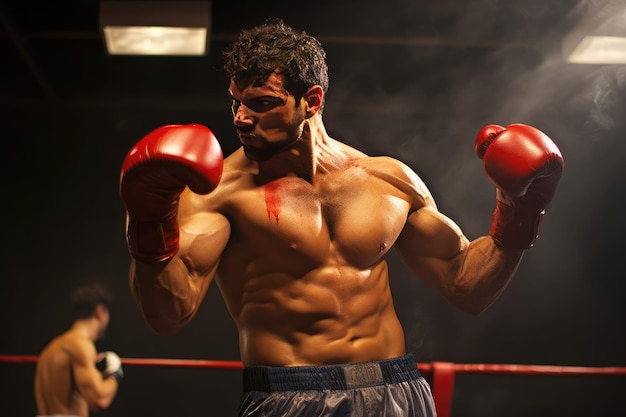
<point x="304" y="273"/>
<point x="55" y="387"/>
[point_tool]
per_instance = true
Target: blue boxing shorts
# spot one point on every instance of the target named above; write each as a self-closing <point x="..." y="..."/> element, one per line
<point x="386" y="388"/>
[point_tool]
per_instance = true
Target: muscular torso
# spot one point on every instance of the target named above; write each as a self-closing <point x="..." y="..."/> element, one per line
<point x="55" y="389"/>
<point x="304" y="272"/>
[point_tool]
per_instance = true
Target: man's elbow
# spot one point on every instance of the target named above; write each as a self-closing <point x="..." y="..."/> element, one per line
<point x="100" y="404"/>
<point x="468" y="300"/>
<point x="473" y="309"/>
<point x="164" y="327"/>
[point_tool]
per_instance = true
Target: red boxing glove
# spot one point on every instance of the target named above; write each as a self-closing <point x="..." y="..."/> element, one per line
<point x="525" y="166"/>
<point x="154" y="174"/>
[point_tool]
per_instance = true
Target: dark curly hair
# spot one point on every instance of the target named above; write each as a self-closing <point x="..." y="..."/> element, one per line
<point x="85" y="299"/>
<point x="276" y="47"/>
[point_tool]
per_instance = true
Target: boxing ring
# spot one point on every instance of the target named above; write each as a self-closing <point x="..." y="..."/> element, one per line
<point x="440" y="375"/>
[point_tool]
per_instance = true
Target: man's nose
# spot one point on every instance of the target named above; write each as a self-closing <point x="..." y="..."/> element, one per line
<point x="242" y="116"/>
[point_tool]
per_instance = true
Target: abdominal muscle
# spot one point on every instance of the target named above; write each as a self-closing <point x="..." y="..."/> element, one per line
<point x="330" y="315"/>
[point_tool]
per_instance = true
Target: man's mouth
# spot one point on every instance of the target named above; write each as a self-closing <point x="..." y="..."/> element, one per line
<point x="246" y="138"/>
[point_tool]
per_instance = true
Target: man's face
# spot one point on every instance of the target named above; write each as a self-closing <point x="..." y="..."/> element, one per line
<point x="104" y="317"/>
<point x="267" y="117"/>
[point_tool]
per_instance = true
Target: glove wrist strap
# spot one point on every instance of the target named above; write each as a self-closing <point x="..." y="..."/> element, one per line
<point x="515" y="225"/>
<point x="153" y="241"/>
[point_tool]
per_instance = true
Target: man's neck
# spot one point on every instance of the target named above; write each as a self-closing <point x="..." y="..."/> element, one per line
<point x="87" y="328"/>
<point x="314" y="153"/>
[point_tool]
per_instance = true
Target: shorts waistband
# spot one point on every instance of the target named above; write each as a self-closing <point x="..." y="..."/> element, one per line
<point x="330" y="377"/>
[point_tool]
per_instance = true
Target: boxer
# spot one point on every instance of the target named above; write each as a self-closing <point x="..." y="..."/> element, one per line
<point x="295" y="227"/>
<point x="71" y="378"/>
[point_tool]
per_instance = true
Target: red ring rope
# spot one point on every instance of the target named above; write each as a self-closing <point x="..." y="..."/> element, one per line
<point x="177" y="363"/>
<point x="425" y="368"/>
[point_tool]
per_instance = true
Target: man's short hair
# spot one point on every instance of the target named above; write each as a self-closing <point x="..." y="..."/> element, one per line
<point x="276" y="47"/>
<point x="86" y="298"/>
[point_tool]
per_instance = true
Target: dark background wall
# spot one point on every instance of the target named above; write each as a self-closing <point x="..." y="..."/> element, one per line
<point x="418" y="83"/>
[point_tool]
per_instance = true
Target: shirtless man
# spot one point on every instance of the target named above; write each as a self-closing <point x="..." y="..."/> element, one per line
<point x="71" y="377"/>
<point x="294" y="227"/>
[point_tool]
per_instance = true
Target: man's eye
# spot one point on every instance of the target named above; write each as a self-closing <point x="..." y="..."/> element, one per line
<point x="262" y="105"/>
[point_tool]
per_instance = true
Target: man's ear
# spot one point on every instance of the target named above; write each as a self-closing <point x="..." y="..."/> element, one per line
<point x="313" y="98"/>
<point x="100" y="311"/>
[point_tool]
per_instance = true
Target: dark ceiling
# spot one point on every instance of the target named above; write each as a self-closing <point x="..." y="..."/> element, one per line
<point x="53" y="53"/>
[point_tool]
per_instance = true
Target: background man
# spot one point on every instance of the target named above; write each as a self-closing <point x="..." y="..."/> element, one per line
<point x="71" y="378"/>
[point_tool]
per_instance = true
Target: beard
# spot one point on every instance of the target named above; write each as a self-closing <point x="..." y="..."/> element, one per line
<point x="268" y="150"/>
<point x="265" y="149"/>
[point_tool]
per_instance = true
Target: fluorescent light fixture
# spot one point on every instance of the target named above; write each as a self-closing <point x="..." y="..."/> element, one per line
<point x="600" y="37"/>
<point x="155" y="27"/>
<point x="154" y="40"/>
<point x="600" y="50"/>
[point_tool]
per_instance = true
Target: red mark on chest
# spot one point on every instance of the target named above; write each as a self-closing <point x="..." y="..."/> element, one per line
<point x="273" y="202"/>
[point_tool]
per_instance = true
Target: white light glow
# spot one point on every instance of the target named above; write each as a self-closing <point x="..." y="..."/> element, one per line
<point x="155" y="40"/>
<point x="600" y="50"/>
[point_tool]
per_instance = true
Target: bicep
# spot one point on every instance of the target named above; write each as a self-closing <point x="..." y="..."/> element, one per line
<point x="431" y="246"/>
<point x="203" y="238"/>
<point x="204" y="233"/>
